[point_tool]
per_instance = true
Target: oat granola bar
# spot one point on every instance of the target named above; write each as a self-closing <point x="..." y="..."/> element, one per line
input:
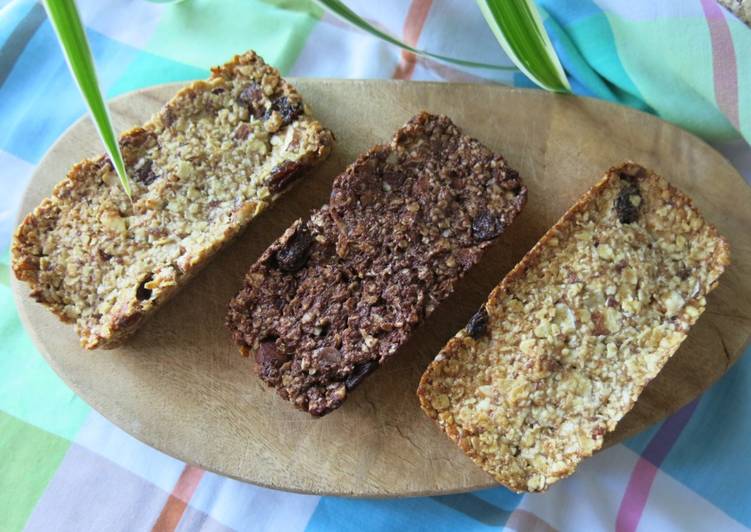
<point x="337" y="294"/>
<point x="214" y="157"/>
<point x="565" y="344"/>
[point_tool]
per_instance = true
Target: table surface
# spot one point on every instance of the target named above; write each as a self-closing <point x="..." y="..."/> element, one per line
<point x="64" y="467"/>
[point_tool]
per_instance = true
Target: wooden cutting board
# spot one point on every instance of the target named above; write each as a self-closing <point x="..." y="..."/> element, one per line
<point x="181" y="386"/>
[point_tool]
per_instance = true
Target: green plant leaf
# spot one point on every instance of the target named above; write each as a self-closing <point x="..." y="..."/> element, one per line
<point x="67" y="23"/>
<point x="343" y="12"/>
<point x="518" y="27"/>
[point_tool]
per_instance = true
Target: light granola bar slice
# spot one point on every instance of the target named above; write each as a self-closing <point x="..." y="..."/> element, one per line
<point x="565" y="344"/>
<point x="215" y="156"/>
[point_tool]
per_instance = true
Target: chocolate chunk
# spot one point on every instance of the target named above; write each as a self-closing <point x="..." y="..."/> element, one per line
<point x="487" y="226"/>
<point x="295" y="252"/>
<point x="217" y="90"/>
<point x="627" y="203"/>
<point x="359" y="373"/>
<point x="143" y="293"/>
<point x="282" y="175"/>
<point x="683" y="273"/>
<point x="268" y="354"/>
<point x="286" y="109"/>
<point x="478" y="324"/>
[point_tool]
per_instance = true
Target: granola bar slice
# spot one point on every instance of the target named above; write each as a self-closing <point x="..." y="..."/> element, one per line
<point x="214" y="157"/>
<point x="339" y="293"/>
<point x="565" y="344"/>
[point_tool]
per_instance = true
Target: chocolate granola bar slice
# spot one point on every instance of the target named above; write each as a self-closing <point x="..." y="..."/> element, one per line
<point x="213" y="158"/>
<point x="566" y="343"/>
<point x="337" y="294"/>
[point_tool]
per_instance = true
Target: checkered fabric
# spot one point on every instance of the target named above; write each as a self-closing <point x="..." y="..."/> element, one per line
<point x="65" y="467"/>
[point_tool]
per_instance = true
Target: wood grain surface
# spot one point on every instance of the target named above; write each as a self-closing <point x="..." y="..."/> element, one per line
<point x="181" y="385"/>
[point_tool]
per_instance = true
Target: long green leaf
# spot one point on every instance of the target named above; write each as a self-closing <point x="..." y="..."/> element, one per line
<point x="343" y="12"/>
<point x="67" y="23"/>
<point x="518" y="27"/>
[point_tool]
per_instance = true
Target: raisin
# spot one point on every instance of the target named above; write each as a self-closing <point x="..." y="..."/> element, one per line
<point x="145" y="173"/>
<point x="286" y="109"/>
<point x="359" y="373"/>
<point x="143" y="293"/>
<point x="477" y="325"/>
<point x="295" y="252"/>
<point x="268" y="355"/>
<point x="486" y="226"/>
<point x="624" y="205"/>
<point x="282" y="175"/>
<point x="217" y="90"/>
<point x="683" y="273"/>
<point x="103" y="254"/>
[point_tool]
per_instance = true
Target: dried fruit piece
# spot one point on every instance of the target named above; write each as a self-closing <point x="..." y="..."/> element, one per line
<point x="143" y="293"/>
<point x="295" y="252"/>
<point x="487" y="226"/>
<point x="288" y="110"/>
<point x="282" y="175"/>
<point x="359" y="373"/>
<point x="478" y="324"/>
<point x="628" y="202"/>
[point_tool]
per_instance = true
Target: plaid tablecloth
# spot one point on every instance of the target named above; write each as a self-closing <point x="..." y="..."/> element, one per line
<point x="64" y="467"/>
